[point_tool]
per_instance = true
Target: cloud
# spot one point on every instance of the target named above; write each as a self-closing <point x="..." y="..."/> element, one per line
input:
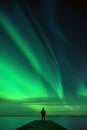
<point x="9" y="107"/>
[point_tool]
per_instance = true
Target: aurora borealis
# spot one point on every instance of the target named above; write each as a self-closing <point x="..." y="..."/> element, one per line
<point x="43" y="57"/>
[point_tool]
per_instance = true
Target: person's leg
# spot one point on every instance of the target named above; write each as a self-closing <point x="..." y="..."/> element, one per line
<point x="44" y="117"/>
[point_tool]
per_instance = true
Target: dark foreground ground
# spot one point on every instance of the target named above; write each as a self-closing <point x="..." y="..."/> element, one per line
<point x="38" y="125"/>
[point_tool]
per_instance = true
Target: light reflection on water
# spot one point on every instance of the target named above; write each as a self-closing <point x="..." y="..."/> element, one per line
<point x="69" y="122"/>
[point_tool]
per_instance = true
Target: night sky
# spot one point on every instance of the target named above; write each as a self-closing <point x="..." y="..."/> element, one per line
<point x="43" y="57"/>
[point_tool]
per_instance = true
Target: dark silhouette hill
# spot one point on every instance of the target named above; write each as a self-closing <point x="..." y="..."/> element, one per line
<point x="42" y="125"/>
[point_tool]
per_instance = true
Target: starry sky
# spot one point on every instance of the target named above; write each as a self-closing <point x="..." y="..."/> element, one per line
<point x="43" y="57"/>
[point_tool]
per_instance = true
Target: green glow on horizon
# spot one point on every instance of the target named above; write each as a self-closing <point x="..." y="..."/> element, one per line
<point x="56" y="109"/>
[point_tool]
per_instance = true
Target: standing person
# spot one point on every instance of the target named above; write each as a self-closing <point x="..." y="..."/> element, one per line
<point x="43" y="112"/>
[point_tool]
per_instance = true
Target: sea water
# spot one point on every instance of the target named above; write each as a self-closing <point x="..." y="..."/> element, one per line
<point x="69" y="122"/>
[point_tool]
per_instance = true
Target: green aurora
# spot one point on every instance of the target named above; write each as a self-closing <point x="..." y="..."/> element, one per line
<point x="30" y="75"/>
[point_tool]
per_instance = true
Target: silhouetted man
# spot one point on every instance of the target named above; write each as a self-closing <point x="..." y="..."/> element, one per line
<point x="43" y="112"/>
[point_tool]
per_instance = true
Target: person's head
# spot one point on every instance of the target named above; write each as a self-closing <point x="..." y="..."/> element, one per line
<point x="42" y="108"/>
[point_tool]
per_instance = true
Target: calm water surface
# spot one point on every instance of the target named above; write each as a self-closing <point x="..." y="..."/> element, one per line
<point x="69" y="122"/>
